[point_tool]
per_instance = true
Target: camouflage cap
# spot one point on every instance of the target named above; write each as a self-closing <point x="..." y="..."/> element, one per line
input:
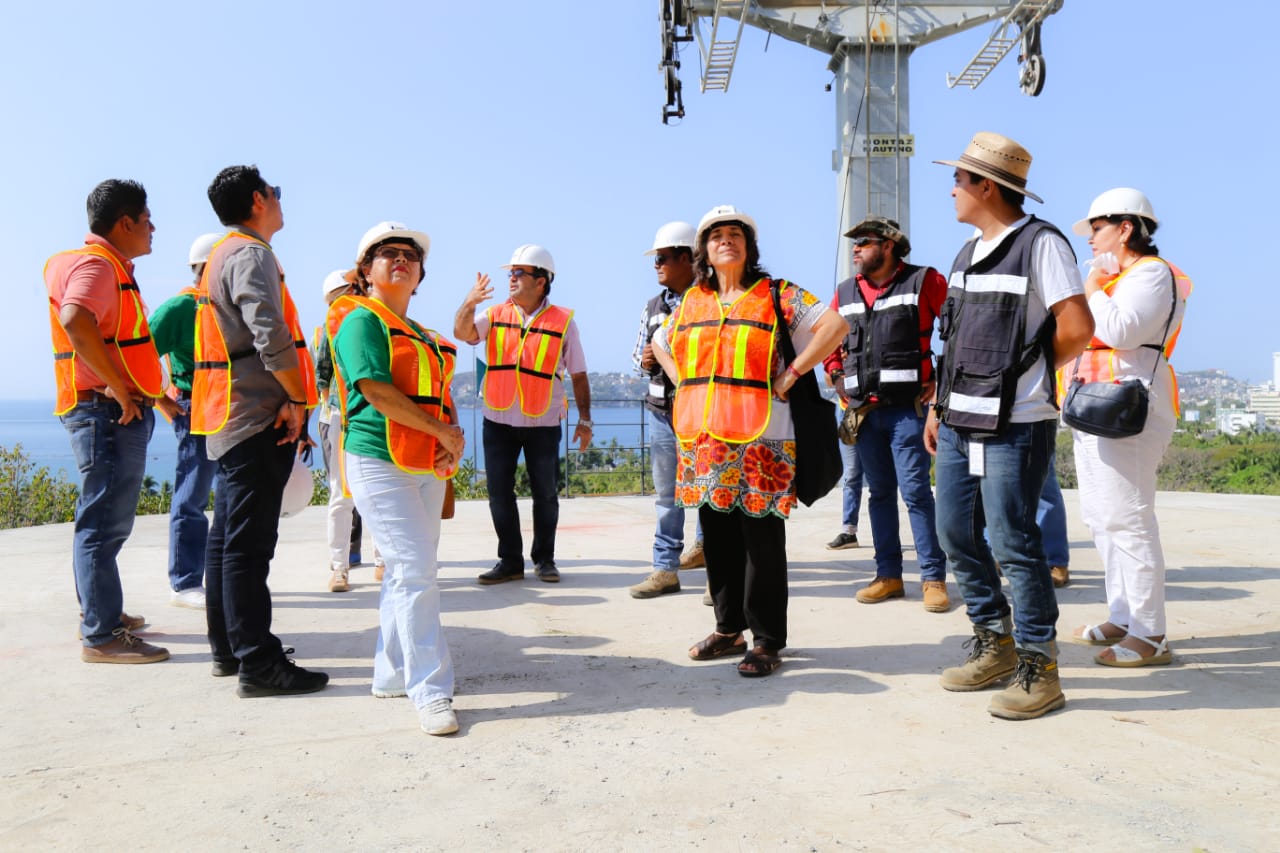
<point x="882" y="227"/>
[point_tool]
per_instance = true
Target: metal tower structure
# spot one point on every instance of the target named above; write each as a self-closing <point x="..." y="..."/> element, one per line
<point x="870" y="45"/>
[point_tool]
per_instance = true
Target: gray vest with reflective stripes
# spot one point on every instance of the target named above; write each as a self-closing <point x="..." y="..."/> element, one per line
<point x="883" y="349"/>
<point x="984" y="327"/>
<point x="658" y="397"/>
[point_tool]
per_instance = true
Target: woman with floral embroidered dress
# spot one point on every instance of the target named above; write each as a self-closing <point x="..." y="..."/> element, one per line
<point x="733" y="422"/>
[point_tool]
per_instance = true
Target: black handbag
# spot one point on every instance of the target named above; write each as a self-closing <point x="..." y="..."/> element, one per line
<point x="1112" y="409"/>
<point x="818" y="463"/>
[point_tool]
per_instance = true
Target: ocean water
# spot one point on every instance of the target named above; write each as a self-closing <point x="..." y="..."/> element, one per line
<point x="32" y="424"/>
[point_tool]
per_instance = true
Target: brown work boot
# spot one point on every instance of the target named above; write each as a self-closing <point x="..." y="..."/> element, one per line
<point x="1061" y="576"/>
<point x="1034" y="691"/>
<point x="991" y="658"/>
<point x="123" y="647"/>
<point x="882" y="589"/>
<point x="935" y="596"/>
<point x="658" y="583"/>
<point x="693" y="558"/>
<point x="338" y="581"/>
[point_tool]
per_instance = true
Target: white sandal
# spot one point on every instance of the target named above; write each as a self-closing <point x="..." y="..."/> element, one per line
<point x="1092" y="635"/>
<point x="1127" y="657"/>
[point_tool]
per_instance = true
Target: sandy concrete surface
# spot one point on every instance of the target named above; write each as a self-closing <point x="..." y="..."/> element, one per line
<point x="585" y="726"/>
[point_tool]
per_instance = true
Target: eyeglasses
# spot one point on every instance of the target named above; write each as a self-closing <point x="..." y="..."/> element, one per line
<point x="859" y="242"/>
<point x="274" y="190"/>
<point x="391" y="253"/>
<point x="661" y="258"/>
<point x="519" y="274"/>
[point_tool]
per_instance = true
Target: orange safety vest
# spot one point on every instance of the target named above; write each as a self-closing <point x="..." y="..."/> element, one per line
<point x="1097" y="360"/>
<point x="421" y="368"/>
<point x="212" y="378"/>
<point x="137" y="352"/>
<point x="724" y="360"/>
<point x="523" y="358"/>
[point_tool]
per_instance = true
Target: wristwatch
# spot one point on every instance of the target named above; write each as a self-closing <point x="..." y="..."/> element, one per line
<point x="586" y="422"/>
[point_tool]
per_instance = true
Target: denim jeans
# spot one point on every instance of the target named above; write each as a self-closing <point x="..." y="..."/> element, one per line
<point x="188" y="524"/>
<point x="1004" y="499"/>
<point x="668" y="539"/>
<point x="891" y="448"/>
<point x="502" y="447"/>
<point x="112" y="460"/>
<point x="852" y="483"/>
<point x="242" y="540"/>
<point x="403" y="512"/>
<point x="1051" y="515"/>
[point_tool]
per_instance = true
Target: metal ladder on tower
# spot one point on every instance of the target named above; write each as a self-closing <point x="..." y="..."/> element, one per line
<point x="1025" y="15"/>
<point x="719" y="55"/>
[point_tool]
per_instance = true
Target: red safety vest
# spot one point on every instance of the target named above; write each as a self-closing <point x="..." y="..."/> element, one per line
<point x="523" y="358"/>
<point x="422" y="368"/>
<point x="212" y="378"/>
<point x="131" y="339"/>
<point x="724" y="360"/>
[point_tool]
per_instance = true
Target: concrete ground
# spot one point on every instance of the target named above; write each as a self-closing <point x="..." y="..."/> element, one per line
<point x="586" y="727"/>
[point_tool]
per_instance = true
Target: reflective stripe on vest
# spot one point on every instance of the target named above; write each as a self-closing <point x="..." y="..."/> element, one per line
<point x="523" y="359"/>
<point x="131" y="339"/>
<point x="422" y="368"/>
<point x="885" y="346"/>
<point x="724" y="360"/>
<point x="213" y="375"/>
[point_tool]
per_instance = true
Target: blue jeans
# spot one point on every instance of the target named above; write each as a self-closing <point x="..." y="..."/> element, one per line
<point x="112" y="460"/>
<point x="1051" y="515"/>
<point x="242" y="540"/>
<point x="668" y="539"/>
<point x="1004" y="499"/>
<point x="502" y="447"/>
<point x="188" y="524"/>
<point x="891" y="447"/>
<point x="852" y="496"/>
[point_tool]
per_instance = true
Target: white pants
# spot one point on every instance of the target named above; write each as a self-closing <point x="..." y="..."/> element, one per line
<point x="338" y="522"/>
<point x="403" y="512"/>
<point x="1117" y="499"/>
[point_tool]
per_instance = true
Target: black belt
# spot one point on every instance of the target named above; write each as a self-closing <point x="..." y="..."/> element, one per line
<point x="92" y="396"/>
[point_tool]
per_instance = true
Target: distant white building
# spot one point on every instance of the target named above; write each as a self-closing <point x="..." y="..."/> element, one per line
<point x="1234" y="421"/>
<point x="1191" y="415"/>
<point x="1265" y="403"/>
<point x="1275" y="371"/>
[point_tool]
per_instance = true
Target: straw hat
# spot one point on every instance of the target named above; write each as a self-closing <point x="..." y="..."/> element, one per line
<point x="998" y="158"/>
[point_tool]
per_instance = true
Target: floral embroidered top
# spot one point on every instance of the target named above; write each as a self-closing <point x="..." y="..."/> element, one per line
<point x="756" y="476"/>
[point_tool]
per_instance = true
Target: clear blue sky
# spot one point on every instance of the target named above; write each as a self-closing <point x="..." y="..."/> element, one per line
<point x="490" y="125"/>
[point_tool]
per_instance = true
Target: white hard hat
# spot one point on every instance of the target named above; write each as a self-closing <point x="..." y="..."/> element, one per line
<point x="1114" y="202"/>
<point x="674" y="234"/>
<point x="392" y="230"/>
<point x="724" y="213"/>
<point x="201" y="248"/>
<point x="336" y="280"/>
<point x="531" y="255"/>
<point x="298" y="491"/>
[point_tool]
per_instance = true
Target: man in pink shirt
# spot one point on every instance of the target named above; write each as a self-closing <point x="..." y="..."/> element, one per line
<point x="109" y="379"/>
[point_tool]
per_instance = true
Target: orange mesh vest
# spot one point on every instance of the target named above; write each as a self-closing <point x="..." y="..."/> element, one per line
<point x="523" y="359"/>
<point x="421" y="368"/>
<point x="131" y="340"/>
<point x="211" y="381"/>
<point x="1096" y="361"/>
<point x="724" y="359"/>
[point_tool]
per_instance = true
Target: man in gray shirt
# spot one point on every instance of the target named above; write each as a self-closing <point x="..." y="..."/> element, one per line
<point x="253" y="383"/>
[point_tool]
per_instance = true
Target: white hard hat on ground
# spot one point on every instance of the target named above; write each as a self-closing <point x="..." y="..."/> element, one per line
<point x="335" y="280"/>
<point x="392" y="230"/>
<point x="674" y="234"/>
<point x="725" y="213"/>
<point x="298" y="491"/>
<point x="201" y="248"/>
<point x="531" y="255"/>
<point x="1120" y="200"/>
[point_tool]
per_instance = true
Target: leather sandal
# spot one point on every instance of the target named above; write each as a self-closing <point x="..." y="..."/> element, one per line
<point x="718" y="646"/>
<point x="1127" y="657"/>
<point x="758" y="663"/>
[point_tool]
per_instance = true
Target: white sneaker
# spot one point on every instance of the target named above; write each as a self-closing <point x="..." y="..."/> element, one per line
<point x="438" y="718"/>
<point x="193" y="598"/>
<point x="389" y="692"/>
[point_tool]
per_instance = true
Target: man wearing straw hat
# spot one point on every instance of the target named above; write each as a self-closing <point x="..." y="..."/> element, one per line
<point x="1015" y="310"/>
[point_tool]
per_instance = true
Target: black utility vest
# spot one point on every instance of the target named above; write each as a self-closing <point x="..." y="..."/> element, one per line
<point x="658" y="396"/>
<point x="885" y="347"/>
<point x="984" y="327"/>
